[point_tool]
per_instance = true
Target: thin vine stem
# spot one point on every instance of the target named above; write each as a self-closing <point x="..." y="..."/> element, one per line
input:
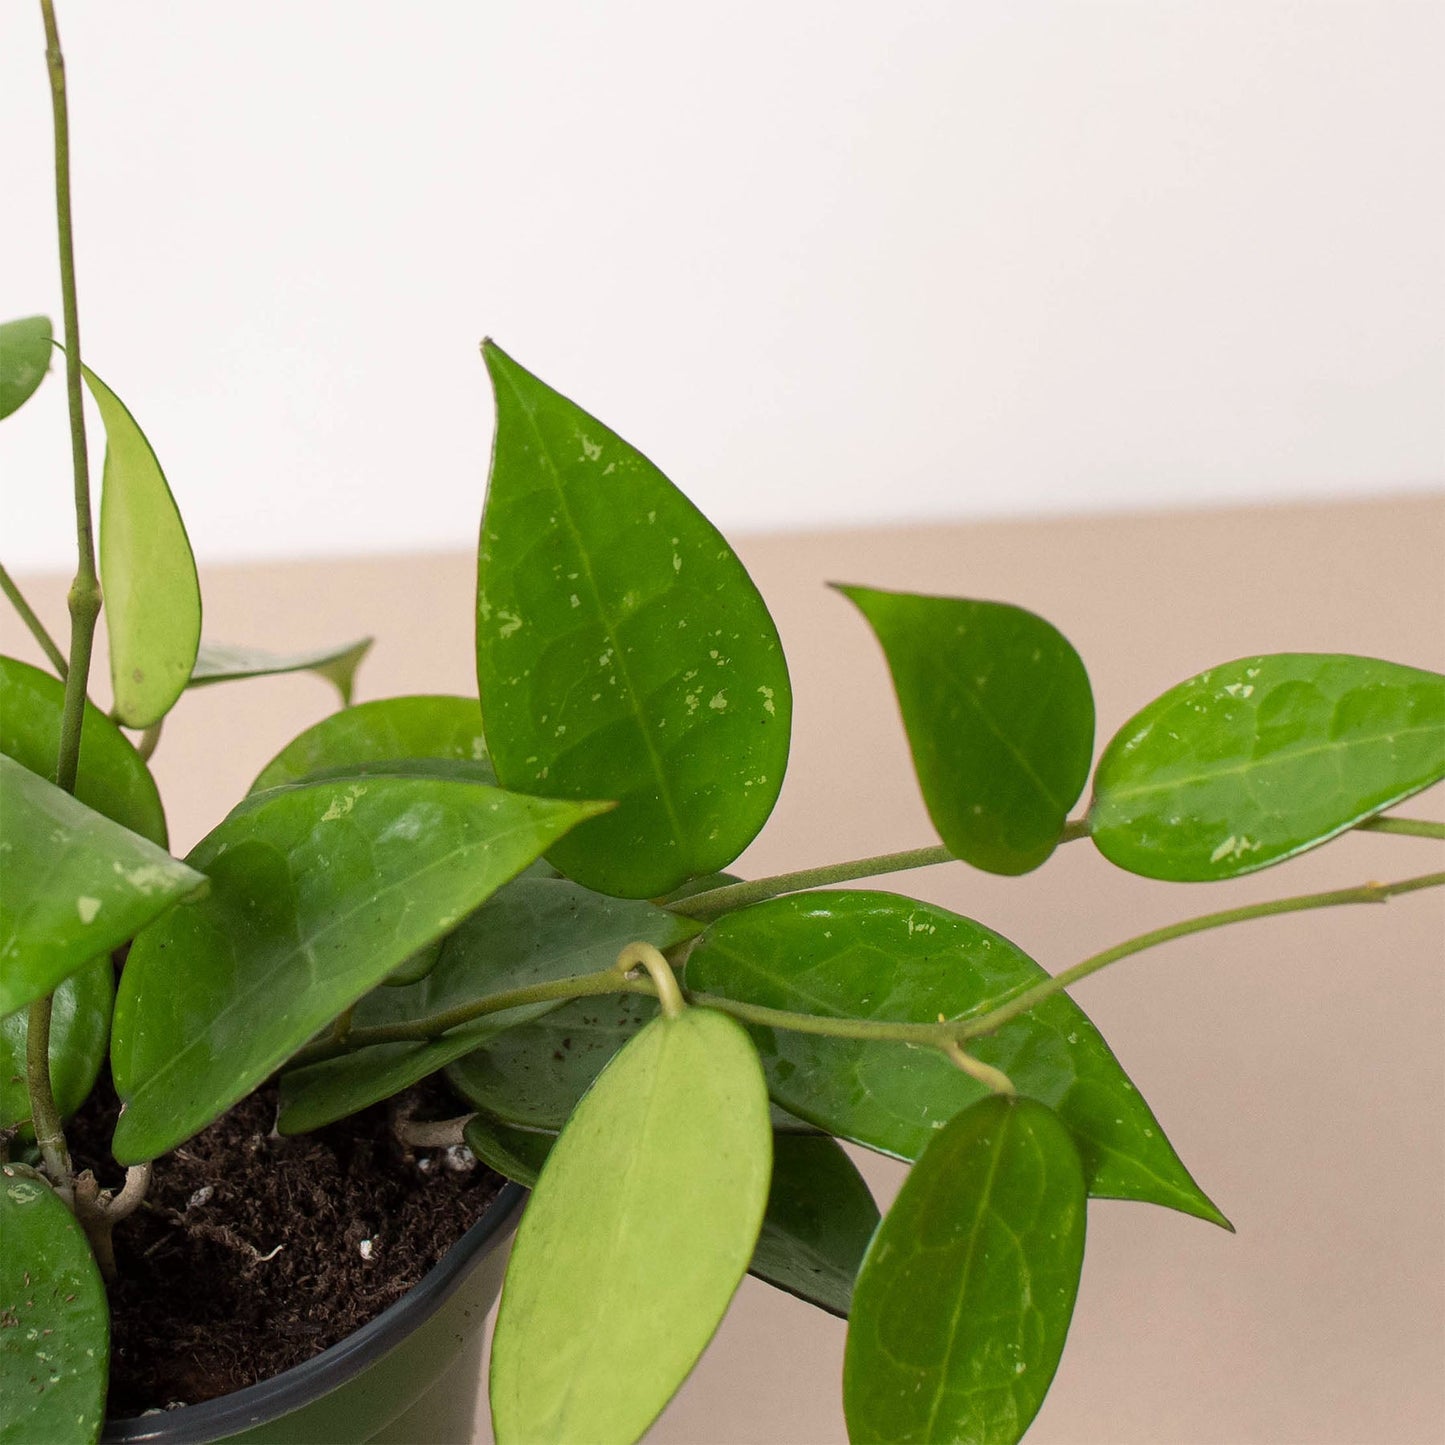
<point x="1406" y="827"/>
<point x="28" y="616"/>
<point x="84" y="600"/>
<point x="946" y="1034"/>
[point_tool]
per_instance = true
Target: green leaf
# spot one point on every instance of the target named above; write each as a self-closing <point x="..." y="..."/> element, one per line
<point x="1251" y="763"/>
<point x="622" y="650"/>
<point x="317" y="893"/>
<point x="152" y="597"/>
<point x="376" y="732"/>
<point x="219" y="662"/>
<point x="820" y="1219"/>
<point x="24" y="360"/>
<point x="79" y="1033"/>
<point x="964" y="1300"/>
<point x="533" y="1075"/>
<point x="636" y="1237"/>
<point x="535" y="930"/>
<point x="113" y="778"/>
<point x="999" y="715"/>
<point x="74" y="885"/>
<point x="54" y="1320"/>
<point x="867" y="955"/>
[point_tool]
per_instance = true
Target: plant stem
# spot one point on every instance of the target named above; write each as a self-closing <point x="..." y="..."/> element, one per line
<point x="1408" y="827"/>
<point x="84" y="599"/>
<point x="1365" y="893"/>
<point x="646" y="957"/>
<point x="37" y="627"/>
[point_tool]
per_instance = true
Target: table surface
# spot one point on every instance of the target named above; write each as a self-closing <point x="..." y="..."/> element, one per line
<point x="1297" y="1064"/>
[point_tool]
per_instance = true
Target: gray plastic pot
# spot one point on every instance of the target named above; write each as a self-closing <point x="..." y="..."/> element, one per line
<point x="412" y="1375"/>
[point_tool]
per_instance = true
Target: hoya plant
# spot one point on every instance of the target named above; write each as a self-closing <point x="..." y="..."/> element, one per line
<point x="449" y="884"/>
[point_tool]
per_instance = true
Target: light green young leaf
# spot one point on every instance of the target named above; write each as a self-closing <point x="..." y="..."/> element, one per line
<point x="147" y="572"/>
<point x="54" y="1319"/>
<point x="220" y="662"/>
<point x="79" y="1033"/>
<point x="317" y="893"/>
<point x="1255" y="761"/>
<point x="999" y="715"/>
<point x="866" y="955"/>
<point x="73" y="886"/>
<point x="24" y="360"/>
<point x="964" y="1300"/>
<point x="448" y="728"/>
<point x="622" y="650"/>
<point x="113" y="778"/>
<point x="637" y="1235"/>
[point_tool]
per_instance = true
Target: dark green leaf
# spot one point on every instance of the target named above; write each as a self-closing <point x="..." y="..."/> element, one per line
<point x="218" y="662"/>
<point x="317" y="893"/>
<point x="24" y="360"/>
<point x="516" y="1154"/>
<point x="535" y="930"/>
<point x="636" y="1237"/>
<point x="73" y="886"/>
<point x="374" y="732"/>
<point x="819" y="1221"/>
<point x="54" y="1320"/>
<point x="1250" y="763"/>
<point x="79" y="1033"/>
<point x="963" y="1303"/>
<point x="113" y="779"/>
<point x="622" y="650"/>
<point x="999" y="715"/>
<point x="152" y="597"/>
<point x="854" y="954"/>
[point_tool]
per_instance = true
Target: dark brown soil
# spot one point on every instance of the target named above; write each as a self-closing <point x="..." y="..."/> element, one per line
<point x="252" y="1252"/>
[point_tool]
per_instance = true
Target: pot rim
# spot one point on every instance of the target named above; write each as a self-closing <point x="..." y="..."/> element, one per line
<point x="282" y="1394"/>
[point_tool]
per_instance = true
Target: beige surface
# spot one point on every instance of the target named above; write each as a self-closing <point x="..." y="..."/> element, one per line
<point x="1297" y="1064"/>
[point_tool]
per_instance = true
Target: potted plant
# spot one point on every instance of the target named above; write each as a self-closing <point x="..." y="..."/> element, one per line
<point x="527" y="896"/>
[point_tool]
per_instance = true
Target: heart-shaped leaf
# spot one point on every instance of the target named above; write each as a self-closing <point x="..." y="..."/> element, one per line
<point x="999" y="715"/>
<point x="1251" y="763"/>
<point x="534" y="930"/>
<point x="79" y="1033"/>
<point x="622" y="650"/>
<point x="636" y="1237"/>
<point x="152" y="597"/>
<point x="317" y="893"/>
<point x="857" y="954"/>
<point x="54" y="1319"/>
<point x="113" y="779"/>
<point x="24" y="360"/>
<point x="374" y="732"/>
<point x="964" y="1300"/>
<point x="73" y="886"/>
<point x="220" y="662"/>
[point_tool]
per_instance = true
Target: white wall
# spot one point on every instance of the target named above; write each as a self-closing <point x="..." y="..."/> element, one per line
<point x="825" y="262"/>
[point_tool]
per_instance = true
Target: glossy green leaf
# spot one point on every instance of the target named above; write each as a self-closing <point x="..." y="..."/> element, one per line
<point x="152" y="598"/>
<point x="220" y="662"/>
<point x="376" y="732"/>
<point x="820" y="1219"/>
<point x="858" y="954"/>
<point x="73" y="886"/>
<point x="535" y="930"/>
<point x="54" y="1320"/>
<point x="635" y="1239"/>
<point x="963" y="1303"/>
<point x="79" y="1033"/>
<point x="820" y="1215"/>
<point x="999" y="716"/>
<point x="113" y="778"/>
<point x="622" y="650"/>
<point x="24" y="360"/>
<point x="317" y="893"/>
<point x="1251" y="763"/>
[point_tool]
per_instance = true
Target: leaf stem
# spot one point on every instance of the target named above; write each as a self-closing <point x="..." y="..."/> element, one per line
<point x="44" y="1116"/>
<point x="1408" y="827"/>
<point x="644" y="956"/>
<point x="37" y="627"/>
